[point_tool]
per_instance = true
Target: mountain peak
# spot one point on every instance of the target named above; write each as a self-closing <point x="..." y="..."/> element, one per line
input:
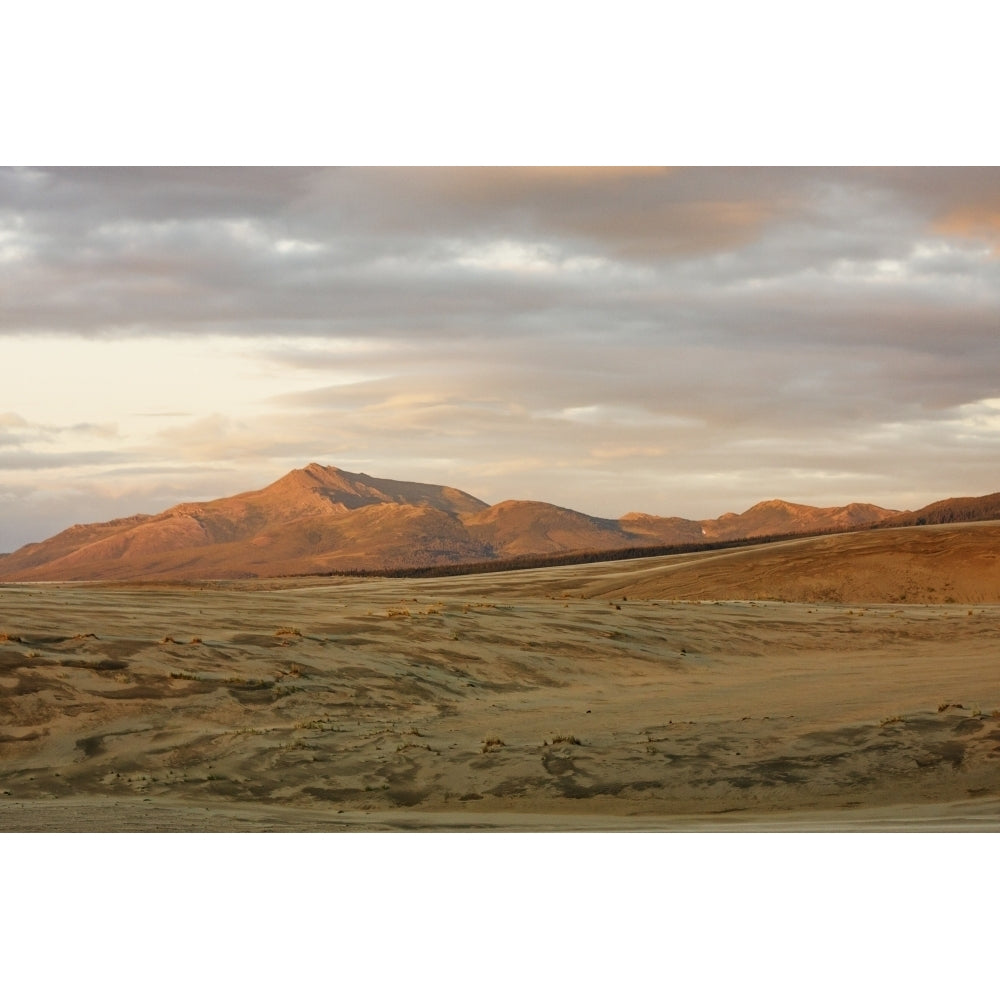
<point x="776" y="505"/>
<point x="357" y="489"/>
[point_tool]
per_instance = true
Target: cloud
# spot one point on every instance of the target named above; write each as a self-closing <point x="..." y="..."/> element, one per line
<point x="26" y="444"/>
<point x="217" y="438"/>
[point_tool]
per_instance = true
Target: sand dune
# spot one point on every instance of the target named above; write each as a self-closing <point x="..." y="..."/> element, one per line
<point x="546" y="699"/>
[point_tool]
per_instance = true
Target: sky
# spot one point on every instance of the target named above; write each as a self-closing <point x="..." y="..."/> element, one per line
<point x="676" y="341"/>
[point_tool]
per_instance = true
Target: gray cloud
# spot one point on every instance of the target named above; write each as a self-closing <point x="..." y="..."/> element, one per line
<point x="487" y="252"/>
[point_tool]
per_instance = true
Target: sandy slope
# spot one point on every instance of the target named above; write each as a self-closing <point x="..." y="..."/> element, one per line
<point x="939" y="564"/>
<point x="534" y="700"/>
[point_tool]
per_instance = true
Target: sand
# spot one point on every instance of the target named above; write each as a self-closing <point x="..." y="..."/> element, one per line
<point x="558" y="699"/>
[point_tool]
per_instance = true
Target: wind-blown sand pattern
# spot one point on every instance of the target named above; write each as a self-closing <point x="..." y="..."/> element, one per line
<point x="607" y="696"/>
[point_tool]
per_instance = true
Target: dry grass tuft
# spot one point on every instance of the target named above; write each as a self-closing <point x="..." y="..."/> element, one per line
<point x="492" y="743"/>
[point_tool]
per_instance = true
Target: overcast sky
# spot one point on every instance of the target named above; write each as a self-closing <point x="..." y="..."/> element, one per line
<point x="680" y="342"/>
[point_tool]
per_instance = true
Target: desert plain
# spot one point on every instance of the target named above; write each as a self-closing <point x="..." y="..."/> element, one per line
<point x="845" y="682"/>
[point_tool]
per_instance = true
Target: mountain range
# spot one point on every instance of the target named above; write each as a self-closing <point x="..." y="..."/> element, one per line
<point x="322" y="519"/>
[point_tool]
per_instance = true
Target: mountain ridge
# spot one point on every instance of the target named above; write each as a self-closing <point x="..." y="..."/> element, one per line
<point x="322" y="519"/>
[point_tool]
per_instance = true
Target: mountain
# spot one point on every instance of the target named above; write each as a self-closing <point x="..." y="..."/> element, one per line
<point x="778" y="517"/>
<point x="528" y="527"/>
<point x="953" y="511"/>
<point x="321" y="519"/>
<point x="311" y="520"/>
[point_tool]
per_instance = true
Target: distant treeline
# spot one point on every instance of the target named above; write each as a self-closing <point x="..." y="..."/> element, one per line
<point x="567" y="558"/>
